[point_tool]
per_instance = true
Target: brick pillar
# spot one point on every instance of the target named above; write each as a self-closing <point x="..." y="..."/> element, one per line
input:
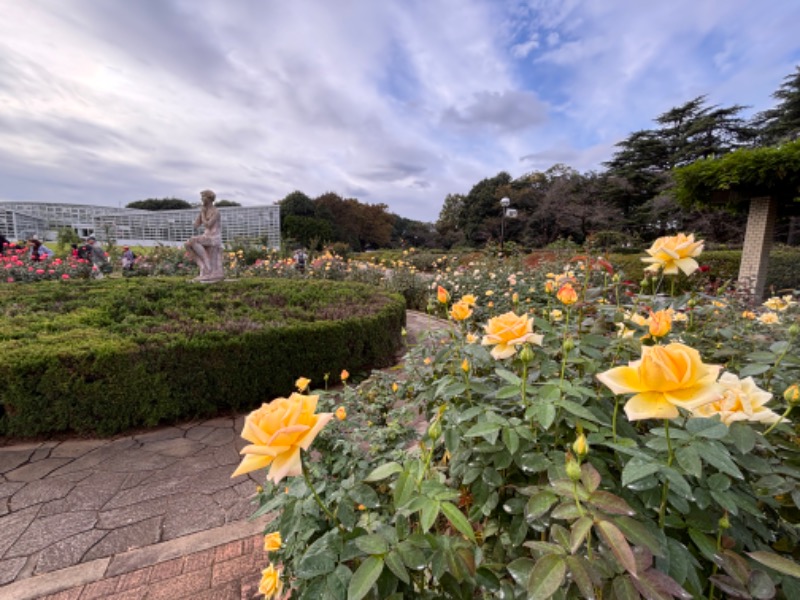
<point x="757" y="244"/>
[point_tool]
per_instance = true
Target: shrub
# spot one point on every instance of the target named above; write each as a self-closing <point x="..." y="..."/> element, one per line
<point x="106" y="356"/>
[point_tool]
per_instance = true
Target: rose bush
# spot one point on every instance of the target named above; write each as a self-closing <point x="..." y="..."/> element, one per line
<point x="512" y="473"/>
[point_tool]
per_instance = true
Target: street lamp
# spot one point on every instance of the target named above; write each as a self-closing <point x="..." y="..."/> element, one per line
<point x="505" y="203"/>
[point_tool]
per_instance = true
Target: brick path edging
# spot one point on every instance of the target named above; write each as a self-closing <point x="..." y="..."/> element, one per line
<point x="214" y="571"/>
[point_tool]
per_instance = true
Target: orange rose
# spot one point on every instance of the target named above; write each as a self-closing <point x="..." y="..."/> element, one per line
<point x="567" y="294"/>
<point x="341" y="413"/>
<point x="666" y="377"/>
<point x="442" y="295"/>
<point x="277" y="432"/>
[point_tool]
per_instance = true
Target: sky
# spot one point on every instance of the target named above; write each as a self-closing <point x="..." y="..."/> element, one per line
<point x="399" y="102"/>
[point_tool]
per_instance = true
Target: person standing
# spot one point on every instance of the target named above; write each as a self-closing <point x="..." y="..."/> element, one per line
<point x="97" y="256"/>
<point x="127" y="258"/>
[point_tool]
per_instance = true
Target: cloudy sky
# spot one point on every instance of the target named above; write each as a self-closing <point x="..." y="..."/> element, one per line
<point x="388" y="101"/>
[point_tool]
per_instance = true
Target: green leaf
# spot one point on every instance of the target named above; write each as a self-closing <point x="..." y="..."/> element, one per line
<point x="590" y="478"/>
<point x="704" y="543"/>
<point x="413" y="557"/>
<point x="364" y="578"/>
<point x="457" y="520"/>
<point x="754" y="369"/>
<point x="384" y="471"/>
<point x="711" y="429"/>
<point x="717" y="456"/>
<point x="428" y="514"/>
<point x="608" y="502"/>
<point x="624" y="589"/>
<point x="363" y="494"/>
<point x="320" y="558"/>
<point x="760" y="586"/>
<point x="507" y="391"/>
<point x="404" y="487"/>
<point x="579" y="569"/>
<point x="372" y="544"/>
<point x="538" y="504"/>
<point x="637" y="469"/>
<point x="640" y="535"/>
<point x="511" y="440"/>
<point x="742" y="436"/>
<point x="486" y="430"/>
<point x="546" y="577"/>
<point x="761" y="356"/>
<point x="689" y="460"/>
<point x="779" y="347"/>
<point x="614" y="539"/>
<point x="776" y="562"/>
<point x="578" y="532"/>
<point x="396" y="566"/>
<point x="510" y="377"/>
<point x="520" y="569"/>
<point x="580" y="411"/>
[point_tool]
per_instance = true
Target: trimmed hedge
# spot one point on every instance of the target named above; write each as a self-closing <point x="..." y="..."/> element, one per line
<point x="783" y="273"/>
<point x="102" y="357"/>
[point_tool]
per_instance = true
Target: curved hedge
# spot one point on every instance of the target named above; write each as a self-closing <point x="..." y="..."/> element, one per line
<point x="106" y="356"/>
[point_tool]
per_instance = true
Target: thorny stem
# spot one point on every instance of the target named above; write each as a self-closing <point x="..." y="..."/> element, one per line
<point x="321" y="504"/>
<point x="715" y="568"/>
<point x="614" y="420"/>
<point x="779" y="421"/>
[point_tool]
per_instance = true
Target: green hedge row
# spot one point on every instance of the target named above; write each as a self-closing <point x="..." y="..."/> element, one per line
<point x="102" y="357"/>
<point x="783" y="273"/>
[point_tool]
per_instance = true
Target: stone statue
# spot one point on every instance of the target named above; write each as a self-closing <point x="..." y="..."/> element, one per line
<point x="206" y="249"/>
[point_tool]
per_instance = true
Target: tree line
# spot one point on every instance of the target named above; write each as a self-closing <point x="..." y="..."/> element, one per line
<point x="632" y="198"/>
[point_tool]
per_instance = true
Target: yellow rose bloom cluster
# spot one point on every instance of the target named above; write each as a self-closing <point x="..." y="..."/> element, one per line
<point x="780" y="304"/>
<point x="508" y="331"/>
<point x="675" y="252"/>
<point x="277" y="432"/>
<point x="666" y="377"/>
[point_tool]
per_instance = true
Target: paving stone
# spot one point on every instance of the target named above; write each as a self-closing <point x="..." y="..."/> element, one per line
<point x="219" y="437"/>
<point x="38" y="492"/>
<point x="10" y="568"/>
<point x="67" y="552"/>
<point x="128" y="462"/>
<point x="123" y="539"/>
<point x="73" y="476"/>
<point x="136" y="479"/>
<point x="39" y="454"/>
<point x="167" y="433"/>
<point x="48" y="530"/>
<point x="148" y="491"/>
<point x="13" y="525"/>
<point x="76" y="448"/>
<point x="9" y="488"/>
<point x="198" y="432"/>
<point x="190" y="513"/>
<point x="128" y="515"/>
<point x="95" y="491"/>
<point x="37" y="470"/>
<point x="87" y="462"/>
<point x="239" y="510"/>
<point x="211" y="481"/>
<point x="227" y="456"/>
<point x="178" y="447"/>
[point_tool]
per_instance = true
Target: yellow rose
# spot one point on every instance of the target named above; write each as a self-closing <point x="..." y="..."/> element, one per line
<point x="659" y="323"/>
<point x="567" y="295"/>
<point x="674" y="252"/>
<point x="556" y="315"/>
<point x="769" y="318"/>
<point x="302" y="383"/>
<point x="271" y="585"/>
<point x="508" y="331"/>
<point x="666" y="377"/>
<point x="549" y="286"/>
<point x="465" y="365"/>
<point x="272" y="541"/>
<point x="442" y="295"/>
<point x="748" y="314"/>
<point x="460" y="311"/>
<point x="341" y="413"/>
<point x="469" y="299"/>
<point x="277" y="432"/>
<point x="471" y="338"/>
<point x="741" y="400"/>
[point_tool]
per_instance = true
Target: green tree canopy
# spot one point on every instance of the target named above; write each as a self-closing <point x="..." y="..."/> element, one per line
<point x="224" y="203"/>
<point x="733" y="179"/>
<point x="782" y="123"/>
<point x="160" y="204"/>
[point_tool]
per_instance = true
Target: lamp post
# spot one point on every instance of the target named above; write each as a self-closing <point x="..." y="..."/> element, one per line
<point x="504" y="202"/>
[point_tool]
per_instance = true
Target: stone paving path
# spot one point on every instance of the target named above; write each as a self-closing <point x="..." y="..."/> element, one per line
<point x="76" y="515"/>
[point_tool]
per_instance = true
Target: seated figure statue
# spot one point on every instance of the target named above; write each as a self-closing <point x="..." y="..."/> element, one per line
<point x="206" y="249"/>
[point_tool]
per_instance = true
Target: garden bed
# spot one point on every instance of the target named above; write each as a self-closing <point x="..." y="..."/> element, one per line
<point x="102" y="357"/>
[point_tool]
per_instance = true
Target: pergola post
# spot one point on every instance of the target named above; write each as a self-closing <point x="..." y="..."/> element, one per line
<point x="757" y="245"/>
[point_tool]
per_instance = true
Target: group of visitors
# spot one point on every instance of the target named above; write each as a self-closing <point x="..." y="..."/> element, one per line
<point x="90" y="251"/>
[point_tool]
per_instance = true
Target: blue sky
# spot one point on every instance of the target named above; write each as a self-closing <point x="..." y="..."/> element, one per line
<point x="398" y="101"/>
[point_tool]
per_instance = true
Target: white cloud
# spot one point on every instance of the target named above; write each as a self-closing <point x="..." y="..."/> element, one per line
<point x="400" y="102"/>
